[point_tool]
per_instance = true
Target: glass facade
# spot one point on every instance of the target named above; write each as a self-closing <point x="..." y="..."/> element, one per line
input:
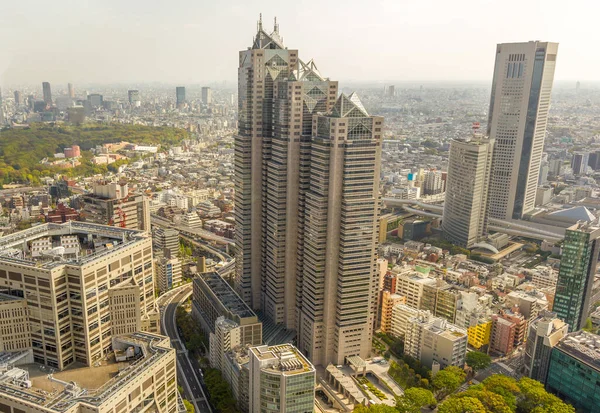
<point x="574" y="381"/>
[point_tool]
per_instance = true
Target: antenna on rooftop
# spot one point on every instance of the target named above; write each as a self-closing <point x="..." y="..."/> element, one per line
<point x="259" y="25"/>
<point x="275" y="26"/>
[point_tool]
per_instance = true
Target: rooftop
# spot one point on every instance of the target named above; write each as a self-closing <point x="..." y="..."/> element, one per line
<point x="97" y="240"/>
<point x="284" y="359"/>
<point x="59" y="391"/>
<point x="226" y="295"/>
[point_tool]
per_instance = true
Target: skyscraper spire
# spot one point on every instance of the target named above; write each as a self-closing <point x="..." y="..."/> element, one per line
<point x="275" y="25"/>
<point x="259" y="25"/>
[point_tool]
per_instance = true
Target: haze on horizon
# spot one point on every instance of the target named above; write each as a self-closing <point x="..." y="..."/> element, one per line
<point x="192" y="42"/>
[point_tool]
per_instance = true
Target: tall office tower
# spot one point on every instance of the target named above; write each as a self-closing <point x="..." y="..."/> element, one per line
<point x="544" y="333"/>
<point x="18" y="98"/>
<point x="337" y="287"/>
<point x="391" y="91"/>
<point x="518" y="116"/>
<point x="576" y="275"/>
<point x="134" y="97"/>
<point x="465" y="208"/>
<point x="71" y="90"/>
<point x="180" y="95"/>
<point x="206" y="95"/>
<point x="433" y="183"/>
<point x="1" y="109"/>
<point x="281" y="172"/>
<point x="579" y="163"/>
<point x="95" y="100"/>
<point x="47" y="93"/>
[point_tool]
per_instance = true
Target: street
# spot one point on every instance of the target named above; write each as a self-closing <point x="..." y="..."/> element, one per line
<point x="187" y="369"/>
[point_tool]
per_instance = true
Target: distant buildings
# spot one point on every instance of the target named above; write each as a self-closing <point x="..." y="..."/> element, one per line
<point x="95" y="100"/>
<point x="518" y="115"/>
<point x="206" y="95"/>
<point x="579" y="163"/>
<point x="180" y="95"/>
<point x="47" y="93"/>
<point x="464" y="220"/>
<point x="71" y="90"/>
<point x="574" y="371"/>
<point x="576" y="275"/>
<point x="134" y="98"/>
<point x="281" y="380"/>
<point x="76" y="115"/>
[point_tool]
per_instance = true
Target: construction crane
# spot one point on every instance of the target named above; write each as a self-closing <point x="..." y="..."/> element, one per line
<point x="122" y="218"/>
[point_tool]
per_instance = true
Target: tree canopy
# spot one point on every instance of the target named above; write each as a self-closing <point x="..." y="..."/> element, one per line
<point x="447" y="381"/>
<point x="22" y="149"/>
<point x="478" y="360"/>
<point x="413" y="399"/>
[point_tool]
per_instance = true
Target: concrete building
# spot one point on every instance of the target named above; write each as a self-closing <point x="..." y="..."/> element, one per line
<point x="518" y="115"/>
<point x="76" y="302"/>
<point x="544" y="333"/>
<point x="235" y="372"/>
<point x="411" y="285"/>
<point x="139" y="374"/>
<point x="574" y="371"/>
<point x="281" y="380"/>
<point x="206" y="95"/>
<point x="441" y="299"/>
<point x="214" y="298"/>
<point x="529" y="304"/>
<point x="464" y="220"/>
<point x="15" y="330"/>
<point x="433" y="340"/>
<point x="433" y="183"/>
<point x="401" y="313"/>
<point x="110" y="203"/>
<point x="388" y="302"/>
<point x="180" y="95"/>
<point x="76" y="115"/>
<point x="576" y="275"/>
<point x="226" y="337"/>
<point x="166" y="239"/>
<point x="134" y="98"/>
<point x="168" y="273"/>
<point x="508" y="331"/>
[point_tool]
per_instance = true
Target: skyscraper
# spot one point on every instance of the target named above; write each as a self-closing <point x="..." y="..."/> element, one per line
<point x="518" y="115"/>
<point x="576" y="275"/>
<point x="134" y="97"/>
<point x="465" y="208"/>
<point x="18" y="98"/>
<point x="544" y="333"/>
<point x="297" y="219"/>
<point x="579" y="162"/>
<point x="1" y="109"/>
<point x="47" y="93"/>
<point x="71" y="90"/>
<point x="206" y="95"/>
<point x="180" y="94"/>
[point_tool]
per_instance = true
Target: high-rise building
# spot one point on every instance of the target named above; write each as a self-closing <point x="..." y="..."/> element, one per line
<point x="18" y="98"/>
<point x="576" y="275"/>
<point x="388" y="301"/>
<point x="391" y="91"/>
<point x="166" y="239"/>
<point x="206" y="95"/>
<point x="71" y="90"/>
<point x="464" y="220"/>
<point x="1" y="109"/>
<point x="544" y="333"/>
<point x="294" y="211"/>
<point x="518" y="115"/>
<point x="95" y="100"/>
<point x="180" y="95"/>
<point x="82" y="284"/>
<point x="433" y="183"/>
<point x="508" y="331"/>
<point x="134" y="98"/>
<point x="579" y="162"/>
<point x="47" y="93"/>
<point x="281" y="380"/>
<point x="574" y="372"/>
<point x="168" y="273"/>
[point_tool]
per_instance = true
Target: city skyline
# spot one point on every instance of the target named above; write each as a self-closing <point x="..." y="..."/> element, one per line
<point x="146" y="45"/>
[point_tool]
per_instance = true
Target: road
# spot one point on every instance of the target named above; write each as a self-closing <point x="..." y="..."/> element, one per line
<point x="187" y="372"/>
<point x="199" y="232"/>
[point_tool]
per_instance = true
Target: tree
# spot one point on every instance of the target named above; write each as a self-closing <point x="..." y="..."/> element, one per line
<point x="493" y="403"/>
<point x="447" y="381"/>
<point x="504" y="386"/>
<point x="534" y="398"/>
<point x="461" y="405"/>
<point x="478" y="360"/>
<point x="413" y="399"/>
<point x="588" y="325"/>
<point x="375" y="408"/>
<point x="189" y="407"/>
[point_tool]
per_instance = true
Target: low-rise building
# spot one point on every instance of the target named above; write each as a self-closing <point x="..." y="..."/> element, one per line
<point x="281" y="380"/>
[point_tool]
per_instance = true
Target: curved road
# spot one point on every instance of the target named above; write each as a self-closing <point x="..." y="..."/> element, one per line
<point x="186" y="369"/>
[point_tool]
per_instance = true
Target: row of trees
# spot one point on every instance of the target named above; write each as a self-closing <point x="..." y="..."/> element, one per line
<point x="219" y="391"/>
<point x="194" y="339"/>
<point x="496" y="394"/>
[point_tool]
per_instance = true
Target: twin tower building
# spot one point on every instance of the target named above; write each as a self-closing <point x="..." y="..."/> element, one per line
<point x="307" y="170"/>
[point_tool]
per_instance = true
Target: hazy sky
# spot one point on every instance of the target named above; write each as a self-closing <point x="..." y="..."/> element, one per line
<point x="197" y="41"/>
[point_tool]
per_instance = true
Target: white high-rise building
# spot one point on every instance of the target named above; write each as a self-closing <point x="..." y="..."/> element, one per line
<point x="465" y="208"/>
<point x="518" y="115"/>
